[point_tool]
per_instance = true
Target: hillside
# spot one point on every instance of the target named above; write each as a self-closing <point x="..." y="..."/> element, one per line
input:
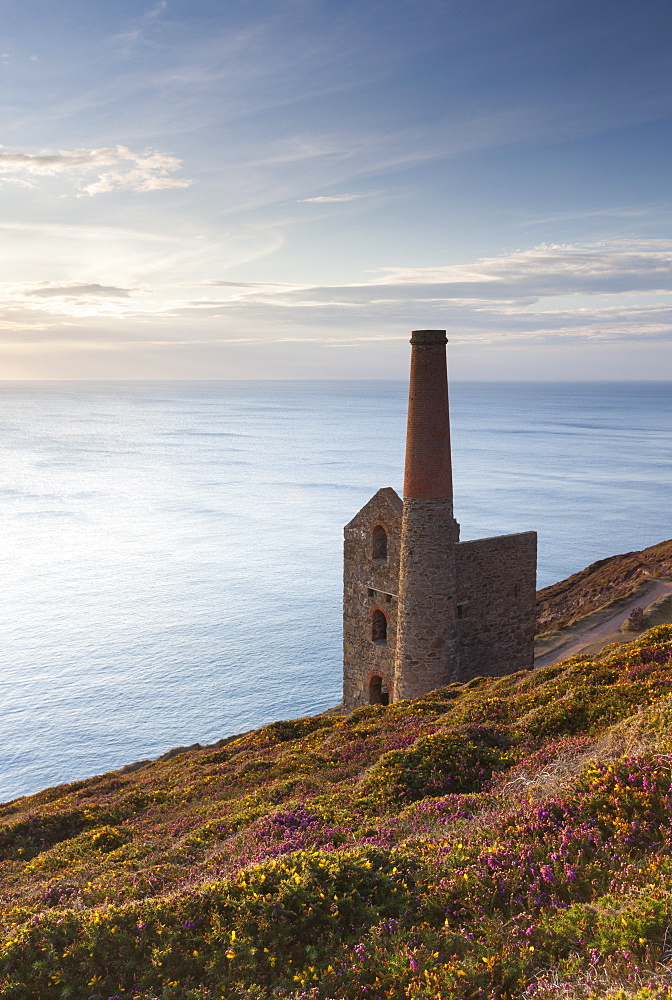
<point x="601" y="582"/>
<point x="507" y="837"/>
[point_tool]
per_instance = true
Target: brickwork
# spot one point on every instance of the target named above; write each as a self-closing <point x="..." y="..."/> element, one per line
<point x="496" y="604"/>
<point x="428" y="473"/>
<point x="369" y="584"/>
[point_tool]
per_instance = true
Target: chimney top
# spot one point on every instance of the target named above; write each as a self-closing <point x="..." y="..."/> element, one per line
<point x="429" y="337"/>
<point x="428" y="474"/>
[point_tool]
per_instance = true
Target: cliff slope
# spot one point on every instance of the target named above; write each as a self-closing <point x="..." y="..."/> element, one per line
<point x="603" y="581"/>
<point x="509" y="837"/>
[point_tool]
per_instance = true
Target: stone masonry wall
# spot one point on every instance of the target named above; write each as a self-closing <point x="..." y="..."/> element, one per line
<point x="427" y="648"/>
<point x="370" y="584"/>
<point x="494" y="607"/>
<point x="496" y="594"/>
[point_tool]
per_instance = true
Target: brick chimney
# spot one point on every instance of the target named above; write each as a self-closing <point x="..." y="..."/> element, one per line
<point x="428" y="473"/>
<point x="427" y="645"/>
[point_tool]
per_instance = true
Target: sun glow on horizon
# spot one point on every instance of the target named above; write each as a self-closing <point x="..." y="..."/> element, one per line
<point x="198" y="191"/>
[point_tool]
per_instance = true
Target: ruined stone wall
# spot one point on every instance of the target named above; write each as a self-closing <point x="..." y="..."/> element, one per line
<point x="370" y="584"/>
<point x="496" y="594"/>
<point x="493" y="611"/>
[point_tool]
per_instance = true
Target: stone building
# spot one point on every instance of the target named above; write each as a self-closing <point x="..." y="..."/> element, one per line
<point x="421" y="608"/>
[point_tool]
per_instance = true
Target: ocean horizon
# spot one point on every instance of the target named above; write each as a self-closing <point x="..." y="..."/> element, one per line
<point x="172" y="550"/>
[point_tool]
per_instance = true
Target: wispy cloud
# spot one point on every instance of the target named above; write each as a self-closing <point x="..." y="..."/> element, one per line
<point x="653" y="212"/>
<point x="547" y="270"/>
<point x="25" y="304"/>
<point x="149" y="170"/>
<point x="324" y="199"/>
<point x="130" y="39"/>
<point x="48" y="290"/>
<point x="542" y="294"/>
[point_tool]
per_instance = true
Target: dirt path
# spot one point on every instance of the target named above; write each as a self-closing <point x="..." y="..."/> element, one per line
<point x="600" y="626"/>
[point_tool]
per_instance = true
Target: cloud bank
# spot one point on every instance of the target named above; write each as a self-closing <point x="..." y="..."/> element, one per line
<point x="140" y="172"/>
<point x="542" y="295"/>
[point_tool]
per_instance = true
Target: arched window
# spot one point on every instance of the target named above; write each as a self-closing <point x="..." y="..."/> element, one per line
<point x="379" y="627"/>
<point x="379" y="542"/>
<point x="378" y="694"/>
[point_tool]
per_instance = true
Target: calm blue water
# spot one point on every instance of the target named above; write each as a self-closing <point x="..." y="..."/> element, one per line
<point x="171" y="551"/>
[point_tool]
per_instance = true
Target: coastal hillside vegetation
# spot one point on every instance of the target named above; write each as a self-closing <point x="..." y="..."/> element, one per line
<point x="508" y="837"/>
<point x="606" y="580"/>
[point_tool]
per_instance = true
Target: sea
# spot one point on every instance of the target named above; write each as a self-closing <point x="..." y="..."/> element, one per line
<point x="171" y="551"/>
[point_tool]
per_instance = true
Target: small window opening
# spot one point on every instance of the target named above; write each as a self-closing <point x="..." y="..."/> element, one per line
<point x="388" y="598"/>
<point x="379" y="542"/>
<point x="370" y="592"/>
<point x="379" y="627"/>
<point x="378" y="693"/>
<point x="460" y="610"/>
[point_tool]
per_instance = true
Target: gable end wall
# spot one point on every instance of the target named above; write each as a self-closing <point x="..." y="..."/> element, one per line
<point x="361" y="574"/>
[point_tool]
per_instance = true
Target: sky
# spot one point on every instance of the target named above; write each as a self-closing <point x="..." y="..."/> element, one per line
<point x="286" y="188"/>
